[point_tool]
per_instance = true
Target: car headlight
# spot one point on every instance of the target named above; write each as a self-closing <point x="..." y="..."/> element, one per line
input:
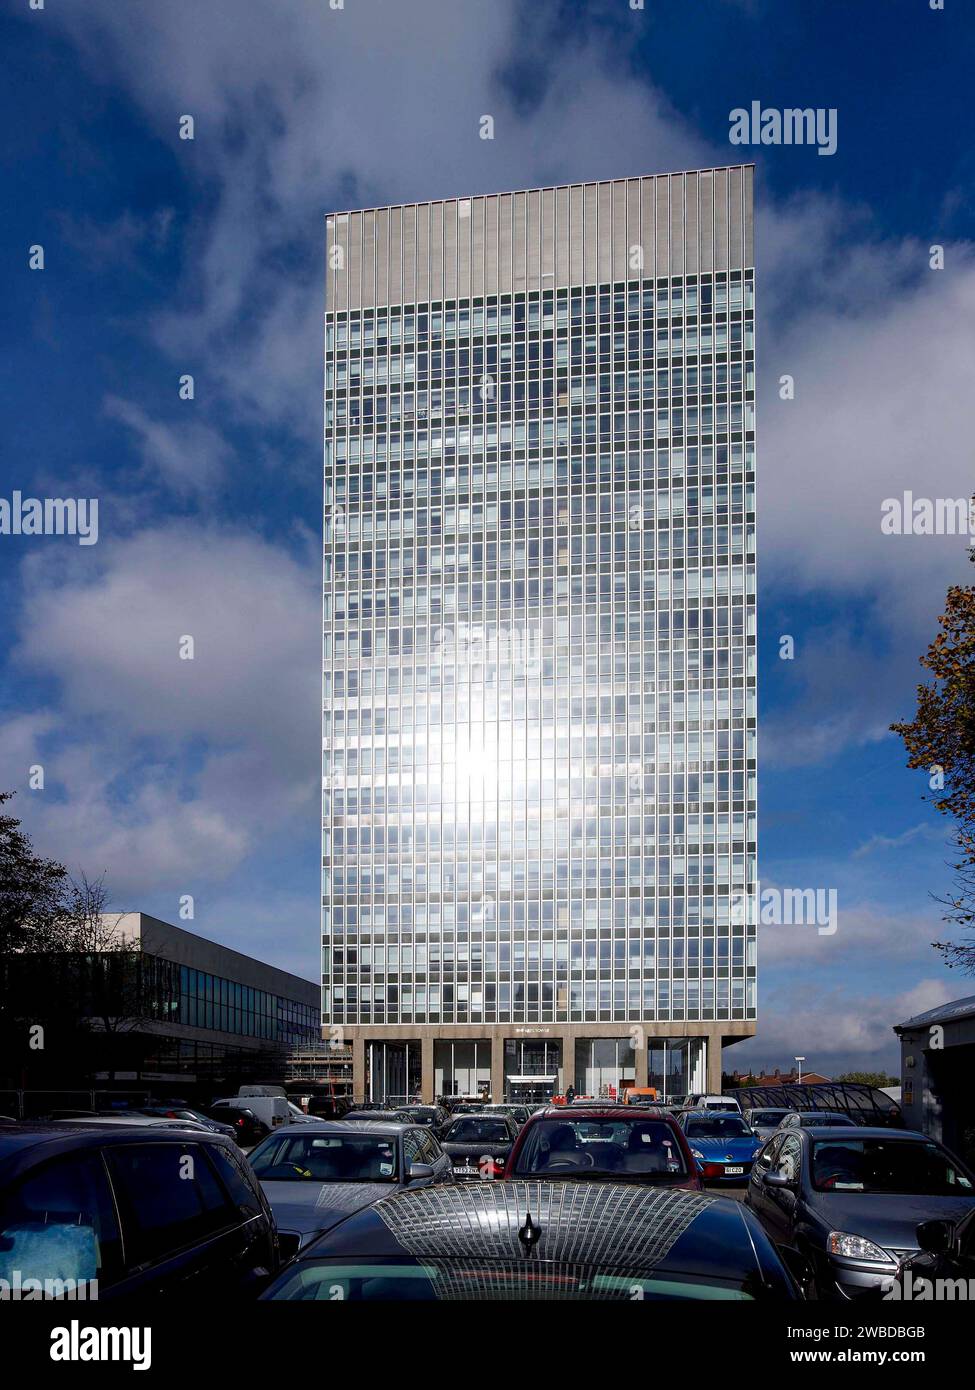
<point x="855" y="1247"/>
<point x="696" y="1153"/>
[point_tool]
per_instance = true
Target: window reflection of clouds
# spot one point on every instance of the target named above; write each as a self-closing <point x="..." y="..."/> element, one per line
<point x="537" y="655"/>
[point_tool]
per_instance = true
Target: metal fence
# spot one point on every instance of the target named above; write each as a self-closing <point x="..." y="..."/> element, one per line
<point x="34" y="1105"/>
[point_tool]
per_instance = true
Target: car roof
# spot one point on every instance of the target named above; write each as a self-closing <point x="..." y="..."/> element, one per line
<point x="22" y="1144"/>
<point x="696" y="1112"/>
<point x="599" y="1112"/>
<point x="864" y="1132"/>
<point x="132" y="1121"/>
<point x="616" y="1225"/>
<point x="479" y="1115"/>
<point x="376" y="1116"/>
<point x="344" y="1126"/>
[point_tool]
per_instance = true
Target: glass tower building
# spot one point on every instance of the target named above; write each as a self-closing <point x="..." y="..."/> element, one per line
<point x="539" y="732"/>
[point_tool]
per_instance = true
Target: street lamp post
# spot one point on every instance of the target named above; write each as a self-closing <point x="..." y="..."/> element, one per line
<point x="799" y="1061"/>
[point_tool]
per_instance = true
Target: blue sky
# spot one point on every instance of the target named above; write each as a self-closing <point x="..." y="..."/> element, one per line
<point x="165" y="257"/>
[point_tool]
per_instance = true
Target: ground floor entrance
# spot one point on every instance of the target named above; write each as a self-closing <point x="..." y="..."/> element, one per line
<point x="533" y="1062"/>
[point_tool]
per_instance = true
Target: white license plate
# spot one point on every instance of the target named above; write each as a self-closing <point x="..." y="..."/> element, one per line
<point x="466" y="1168"/>
<point x="734" y="1170"/>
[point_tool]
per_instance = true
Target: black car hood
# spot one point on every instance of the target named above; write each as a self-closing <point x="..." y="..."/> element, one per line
<point x="308" y="1208"/>
<point x="889" y="1220"/>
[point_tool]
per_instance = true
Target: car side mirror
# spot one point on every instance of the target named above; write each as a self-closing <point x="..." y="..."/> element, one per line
<point x="935" y="1237"/>
<point x="778" y="1180"/>
<point x="420" y="1172"/>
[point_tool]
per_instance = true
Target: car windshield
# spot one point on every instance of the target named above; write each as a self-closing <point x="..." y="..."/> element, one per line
<point x="913" y="1166"/>
<point x="767" y="1117"/>
<point x="716" y="1127"/>
<point x="474" y="1131"/>
<point x="825" y="1117"/>
<point x="638" y="1148"/>
<point x="325" y="1158"/>
<point x="386" y="1280"/>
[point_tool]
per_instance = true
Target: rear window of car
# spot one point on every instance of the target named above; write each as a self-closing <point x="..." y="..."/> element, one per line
<point x="475" y="1131"/>
<point x="716" y="1126"/>
<point x="640" y="1147"/>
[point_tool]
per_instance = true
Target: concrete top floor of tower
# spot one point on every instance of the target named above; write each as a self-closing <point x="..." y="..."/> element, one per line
<point x="697" y="221"/>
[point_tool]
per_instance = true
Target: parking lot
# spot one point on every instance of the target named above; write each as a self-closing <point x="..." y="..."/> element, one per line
<point x="255" y="1199"/>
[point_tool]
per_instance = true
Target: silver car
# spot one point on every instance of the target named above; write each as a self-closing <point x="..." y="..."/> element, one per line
<point x="764" y="1120"/>
<point x="314" y="1175"/>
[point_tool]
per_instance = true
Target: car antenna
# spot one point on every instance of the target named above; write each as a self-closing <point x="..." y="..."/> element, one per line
<point x="530" y="1234"/>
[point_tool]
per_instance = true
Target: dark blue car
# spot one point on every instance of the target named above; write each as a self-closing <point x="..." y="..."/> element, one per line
<point x="723" y="1146"/>
<point x="110" y="1211"/>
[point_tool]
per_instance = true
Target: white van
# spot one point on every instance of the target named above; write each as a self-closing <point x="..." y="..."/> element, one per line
<point x="704" y="1102"/>
<point x="270" y="1110"/>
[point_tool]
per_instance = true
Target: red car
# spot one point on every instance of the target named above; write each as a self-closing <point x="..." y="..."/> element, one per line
<point x="621" y="1143"/>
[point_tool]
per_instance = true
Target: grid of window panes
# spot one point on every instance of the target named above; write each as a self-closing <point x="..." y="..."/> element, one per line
<point x="210" y="1001"/>
<point x="539" y="721"/>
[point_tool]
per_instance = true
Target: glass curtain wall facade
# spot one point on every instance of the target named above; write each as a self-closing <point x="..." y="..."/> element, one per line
<point x="539" y="615"/>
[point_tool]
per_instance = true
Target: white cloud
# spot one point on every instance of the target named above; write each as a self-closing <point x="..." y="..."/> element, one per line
<point x="161" y="770"/>
<point x="865" y="930"/>
<point x="188" y="455"/>
<point x="881" y="843"/>
<point x="282" y="134"/>
<point x="835" y="1029"/>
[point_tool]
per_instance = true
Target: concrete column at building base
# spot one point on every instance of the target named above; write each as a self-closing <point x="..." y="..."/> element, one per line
<point x="359" y="1067"/>
<point x="714" y="1063"/>
<point x="426" y="1069"/>
<point x="640" y="1060"/>
<point x="497" y="1067"/>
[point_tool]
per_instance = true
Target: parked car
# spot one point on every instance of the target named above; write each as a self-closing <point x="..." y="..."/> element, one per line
<point x="315" y="1175"/>
<point x="478" y="1145"/>
<point x="130" y="1120"/>
<point x="184" y="1112"/>
<point x="764" y="1121"/>
<point x="118" y="1203"/>
<point x="297" y="1116"/>
<point x="804" y="1118"/>
<point x="381" y="1117"/>
<point x="710" y="1102"/>
<point x="541" y="1240"/>
<point x="430" y="1116"/>
<point x="612" y="1141"/>
<point x="329" y="1107"/>
<point x="247" y="1126"/>
<point x="723" y="1146"/>
<point x="849" y="1201"/>
<point x="519" y="1113"/>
